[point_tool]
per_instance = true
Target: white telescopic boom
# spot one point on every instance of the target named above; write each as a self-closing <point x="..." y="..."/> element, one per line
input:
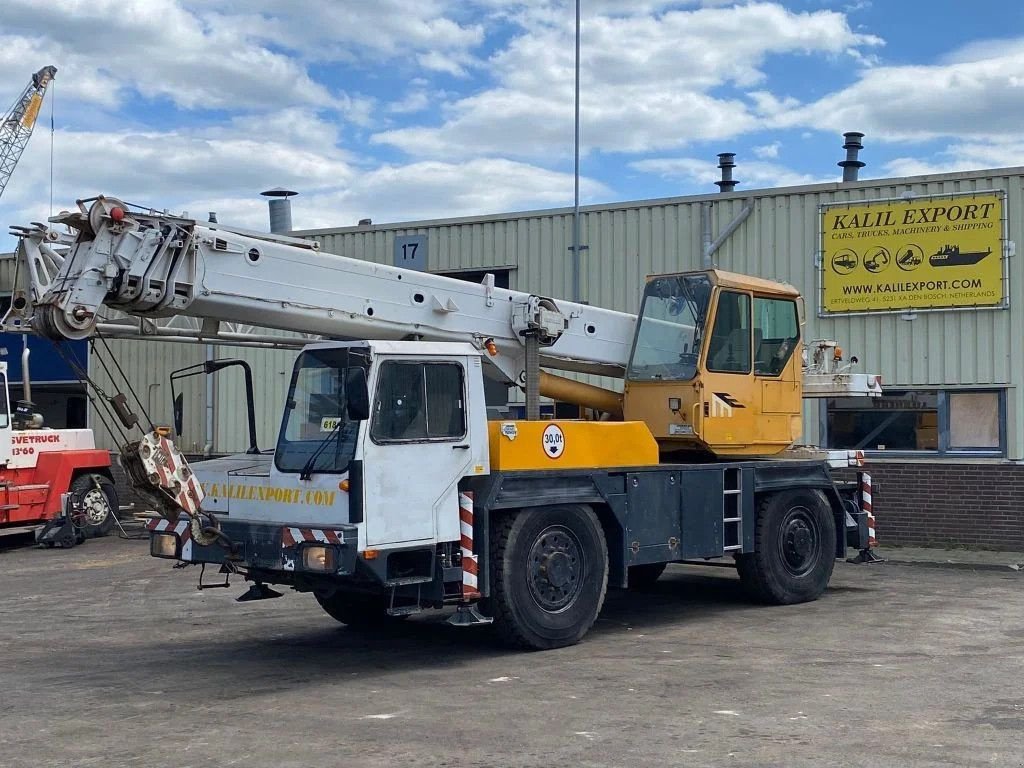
<point x="152" y="264"/>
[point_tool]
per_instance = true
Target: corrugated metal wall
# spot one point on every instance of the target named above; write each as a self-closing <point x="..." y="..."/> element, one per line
<point x="148" y="366"/>
<point x="779" y="240"/>
<point x="625" y="243"/>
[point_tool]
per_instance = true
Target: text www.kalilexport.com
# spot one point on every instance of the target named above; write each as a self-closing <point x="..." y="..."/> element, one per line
<point x="924" y="285"/>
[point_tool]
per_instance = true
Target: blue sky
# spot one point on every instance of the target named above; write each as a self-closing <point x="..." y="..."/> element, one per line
<point x="409" y="109"/>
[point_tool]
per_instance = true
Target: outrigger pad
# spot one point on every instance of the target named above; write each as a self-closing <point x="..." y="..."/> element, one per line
<point x="468" y="616"/>
<point x="866" y="557"/>
<point x="59" y="532"/>
<point x="258" y="591"/>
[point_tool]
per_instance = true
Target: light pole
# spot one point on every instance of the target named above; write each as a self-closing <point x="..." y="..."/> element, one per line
<point x="576" y="175"/>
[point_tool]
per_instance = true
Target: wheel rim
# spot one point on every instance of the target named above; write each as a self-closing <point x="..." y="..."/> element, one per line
<point x="799" y="538"/>
<point x="94" y="507"/>
<point x="557" y="567"/>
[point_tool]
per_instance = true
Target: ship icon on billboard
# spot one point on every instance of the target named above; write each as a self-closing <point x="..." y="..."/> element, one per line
<point x="952" y="256"/>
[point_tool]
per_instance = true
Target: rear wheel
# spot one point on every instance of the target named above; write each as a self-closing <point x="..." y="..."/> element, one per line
<point x="96" y="499"/>
<point x="644" y="576"/>
<point x="549" y="574"/>
<point x="794" y="548"/>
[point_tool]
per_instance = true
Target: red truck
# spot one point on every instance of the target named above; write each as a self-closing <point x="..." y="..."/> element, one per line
<point x="38" y="466"/>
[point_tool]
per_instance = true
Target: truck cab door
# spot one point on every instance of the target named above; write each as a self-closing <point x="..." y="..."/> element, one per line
<point x="5" y="420"/>
<point x="777" y="367"/>
<point x="423" y="438"/>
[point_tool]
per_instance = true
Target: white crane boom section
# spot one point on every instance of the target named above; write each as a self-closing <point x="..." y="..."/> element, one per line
<point x="156" y="265"/>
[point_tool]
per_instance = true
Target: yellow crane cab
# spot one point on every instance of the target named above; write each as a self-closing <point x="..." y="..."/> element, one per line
<point x="716" y="365"/>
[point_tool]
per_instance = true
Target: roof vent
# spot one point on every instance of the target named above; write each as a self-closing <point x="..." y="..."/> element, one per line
<point x="726" y="161"/>
<point x="366" y="222"/>
<point x="851" y="165"/>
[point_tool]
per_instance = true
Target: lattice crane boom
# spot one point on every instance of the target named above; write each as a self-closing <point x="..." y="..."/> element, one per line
<point x="18" y="122"/>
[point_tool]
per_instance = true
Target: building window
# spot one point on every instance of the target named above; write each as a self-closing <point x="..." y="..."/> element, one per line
<point x="974" y="420"/>
<point x="931" y="421"/>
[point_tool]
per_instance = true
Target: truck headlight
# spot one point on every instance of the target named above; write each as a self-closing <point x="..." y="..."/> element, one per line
<point x="320" y="558"/>
<point x="163" y="545"/>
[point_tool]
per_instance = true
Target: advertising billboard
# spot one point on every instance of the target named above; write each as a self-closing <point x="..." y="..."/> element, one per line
<point x="931" y="252"/>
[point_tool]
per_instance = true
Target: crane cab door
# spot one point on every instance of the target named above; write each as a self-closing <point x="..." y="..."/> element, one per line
<point x="427" y="431"/>
<point x="751" y="390"/>
<point x="5" y="419"/>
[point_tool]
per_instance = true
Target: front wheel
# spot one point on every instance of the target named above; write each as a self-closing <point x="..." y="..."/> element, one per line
<point x="96" y="499"/>
<point x="549" y="575"/>
<point x="794" y="548"/>
<point x="356" y="611"/>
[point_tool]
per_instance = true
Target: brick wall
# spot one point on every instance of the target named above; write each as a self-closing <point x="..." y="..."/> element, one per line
<point x="948" y="503"/>
<point x="916" y="503"/>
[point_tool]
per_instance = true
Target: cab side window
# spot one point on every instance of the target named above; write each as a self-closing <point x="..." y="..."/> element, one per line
<point x="776" y="335"/>
<point x="419" y="401"/>
<point x="729" y="348"/>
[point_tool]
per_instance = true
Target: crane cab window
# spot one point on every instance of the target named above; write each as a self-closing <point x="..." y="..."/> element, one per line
<point x="776" y="333"/>
<point x="729" y="348"/>
<point x="316" y="434"/>
<point x="419" y="401"/>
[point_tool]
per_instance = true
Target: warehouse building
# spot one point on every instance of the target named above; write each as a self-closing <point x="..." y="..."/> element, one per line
<point x="914" y="276"/>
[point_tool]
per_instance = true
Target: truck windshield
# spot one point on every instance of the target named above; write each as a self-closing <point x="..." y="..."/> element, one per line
<point x="315" y="418"/>
<point x="670" y="328"/>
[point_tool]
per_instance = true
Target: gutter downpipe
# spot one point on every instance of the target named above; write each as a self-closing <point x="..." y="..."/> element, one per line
<point x="208" y="426"/>
<point x="26" y="379"/>
<point x="743" y="215"/>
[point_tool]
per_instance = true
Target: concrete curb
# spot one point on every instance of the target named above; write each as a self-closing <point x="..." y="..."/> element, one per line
<point x="1007" y="567"/>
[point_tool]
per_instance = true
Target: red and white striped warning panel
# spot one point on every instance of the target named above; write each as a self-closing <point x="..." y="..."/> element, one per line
<point x="161" y="458"/>
<point x="865" y="506"/>
<point x="182" y="529"/>
<point x="469" y="560"/>
<point x="292" y="536"/>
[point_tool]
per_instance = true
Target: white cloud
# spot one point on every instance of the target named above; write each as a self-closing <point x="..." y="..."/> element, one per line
<point x="435" y="189"/>
<point x="754" y="174"/>
<point x="976" y="93"/>
<point x="205" y="54"/>
<point x="223" y="169"/>
<point x="964" y="156"/>
<point x="768" y="151"/>
<point x="159" y="49"/>
<point x="648" y="81"/>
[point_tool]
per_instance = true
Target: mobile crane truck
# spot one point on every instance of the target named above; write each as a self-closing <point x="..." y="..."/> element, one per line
<point x="390" y="492"/>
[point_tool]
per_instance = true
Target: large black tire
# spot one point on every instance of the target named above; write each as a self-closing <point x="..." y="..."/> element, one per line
<point x="794" y="548"/>
<point x="644" y="576"/>
<point x="96" y="497"/>
<point x="355" y="610"/>
<point x="549" y="574"/>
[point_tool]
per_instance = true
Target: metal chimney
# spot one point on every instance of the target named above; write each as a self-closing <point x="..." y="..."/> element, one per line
<point x="726" y="163"/>
<point x="851" y="165"/>
<point x="280" y="209"/>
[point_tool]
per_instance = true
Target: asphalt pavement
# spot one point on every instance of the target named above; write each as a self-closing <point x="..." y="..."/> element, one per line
<point x="112" y="658"/>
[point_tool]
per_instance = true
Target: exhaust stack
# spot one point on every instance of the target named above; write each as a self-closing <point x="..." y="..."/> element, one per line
<point x="280" y="209"/>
